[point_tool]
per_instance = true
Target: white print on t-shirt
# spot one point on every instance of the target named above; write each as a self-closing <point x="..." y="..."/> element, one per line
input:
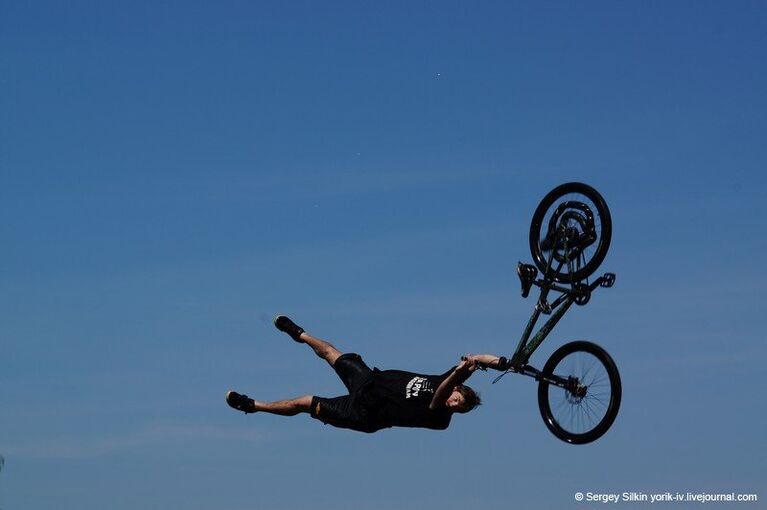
<point x="417" y="385"/>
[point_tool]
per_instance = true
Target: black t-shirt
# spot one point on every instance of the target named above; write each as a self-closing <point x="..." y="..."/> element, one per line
<point x="401" y="399"/>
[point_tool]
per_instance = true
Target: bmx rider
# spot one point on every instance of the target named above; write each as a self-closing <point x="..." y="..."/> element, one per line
<point x="377" y="399"/>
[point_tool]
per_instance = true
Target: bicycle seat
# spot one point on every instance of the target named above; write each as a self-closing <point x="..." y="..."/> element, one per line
<point x="527" y="274"/>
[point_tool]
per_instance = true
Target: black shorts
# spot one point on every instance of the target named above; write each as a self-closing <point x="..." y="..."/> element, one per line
<point x="348" y="411"/>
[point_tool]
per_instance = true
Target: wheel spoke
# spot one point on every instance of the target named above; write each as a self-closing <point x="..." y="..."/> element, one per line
<point x="597" y="399"/>
<point x="597" y="379"/>
<point x="589" y="369"/>
<point x="597" y="406"/>
<point x="591" y="411"/>
<point x="561" y="403"/>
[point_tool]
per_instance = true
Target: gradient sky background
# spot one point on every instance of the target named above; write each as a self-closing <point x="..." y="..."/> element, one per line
<point x="173" y="174"/>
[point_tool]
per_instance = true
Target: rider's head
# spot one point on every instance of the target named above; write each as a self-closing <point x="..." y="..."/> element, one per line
<point x="463" y="399"/>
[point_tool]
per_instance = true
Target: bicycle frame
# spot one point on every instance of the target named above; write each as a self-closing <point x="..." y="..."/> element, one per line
<point x="526" y="347"/>
<point x="578" y="292"/>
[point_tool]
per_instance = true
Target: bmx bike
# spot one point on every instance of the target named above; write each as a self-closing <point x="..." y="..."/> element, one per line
<point x="579" y="388"/>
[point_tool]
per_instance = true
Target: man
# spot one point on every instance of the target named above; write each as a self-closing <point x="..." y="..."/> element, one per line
<point x="377" y="399"/>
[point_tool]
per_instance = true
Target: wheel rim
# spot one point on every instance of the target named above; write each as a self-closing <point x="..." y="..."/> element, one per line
<point x="584" y="407"/>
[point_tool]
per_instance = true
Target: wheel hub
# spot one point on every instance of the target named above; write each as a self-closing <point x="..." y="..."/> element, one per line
<point x="575" y="223"/>
<point x="575" y="390"/>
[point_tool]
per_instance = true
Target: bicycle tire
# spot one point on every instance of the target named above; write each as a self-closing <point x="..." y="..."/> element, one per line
<point x="604" y="234"/>
<point x="554" y="422"/>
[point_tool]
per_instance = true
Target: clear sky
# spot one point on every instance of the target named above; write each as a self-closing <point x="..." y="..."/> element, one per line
<point x="173" y="174"/>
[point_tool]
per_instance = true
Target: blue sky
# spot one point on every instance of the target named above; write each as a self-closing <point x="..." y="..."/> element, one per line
<point x="173" y="174"/>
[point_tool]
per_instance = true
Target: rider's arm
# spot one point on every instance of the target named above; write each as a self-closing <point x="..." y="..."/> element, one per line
<point x="459" y="374"/>
<point x="492" y="361"/>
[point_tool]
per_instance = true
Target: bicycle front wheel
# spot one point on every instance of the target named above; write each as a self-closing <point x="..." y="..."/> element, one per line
<point x="585" y="410"/>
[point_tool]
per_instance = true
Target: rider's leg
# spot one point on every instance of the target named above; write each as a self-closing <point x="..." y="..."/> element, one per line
<point x="321" y="348"/>
<point x="290" y="407"/>
<point x="354" y="373"/>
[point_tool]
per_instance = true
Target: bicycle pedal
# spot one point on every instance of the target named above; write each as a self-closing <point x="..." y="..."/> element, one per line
<point x="608" y="280"/>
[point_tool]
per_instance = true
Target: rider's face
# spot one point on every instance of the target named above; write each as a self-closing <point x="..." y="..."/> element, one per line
<point x="455" y="401"/>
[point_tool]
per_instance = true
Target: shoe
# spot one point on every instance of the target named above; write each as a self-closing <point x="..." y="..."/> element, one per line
<point x="286" y="325"/>
<point x="240" y="402"/>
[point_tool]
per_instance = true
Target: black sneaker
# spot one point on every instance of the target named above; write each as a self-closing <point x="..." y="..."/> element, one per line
<point x="240" y="402"/>
<point x="286" y="325"/>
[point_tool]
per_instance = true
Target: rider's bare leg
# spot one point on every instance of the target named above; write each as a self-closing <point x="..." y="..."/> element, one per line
<point x="321" y="348"/>
<point x="290" y="407"/>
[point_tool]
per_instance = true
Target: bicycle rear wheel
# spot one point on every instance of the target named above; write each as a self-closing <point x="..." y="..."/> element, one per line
<point x="575" y="220"/>
<point x="585" y="410"/>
